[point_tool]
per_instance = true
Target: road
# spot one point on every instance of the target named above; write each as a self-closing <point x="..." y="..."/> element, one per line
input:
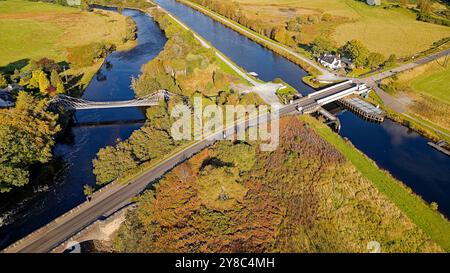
<point x="404" y="67"/>
<point x="117" y="195"/>
<point x="68" y="225"/>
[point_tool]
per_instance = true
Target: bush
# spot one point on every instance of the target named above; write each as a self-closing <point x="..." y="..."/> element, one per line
<point x="87" y="55"/>
<point x="326" y="17"/>
<point x="3" y="81"/>
<point x="426" y="17"/>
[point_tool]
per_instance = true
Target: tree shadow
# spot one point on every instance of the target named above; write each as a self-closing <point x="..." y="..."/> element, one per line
<point x="215" y="162"/>
<point x="9" y="68"/>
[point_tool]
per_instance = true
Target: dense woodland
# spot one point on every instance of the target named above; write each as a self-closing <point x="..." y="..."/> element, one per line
<point x="185" y="68"/>
<point x="303" y="197"/>
<point x="27" y="136"/>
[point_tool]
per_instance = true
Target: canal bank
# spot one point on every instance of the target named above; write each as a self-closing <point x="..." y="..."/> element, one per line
<point x="395" y="148"/>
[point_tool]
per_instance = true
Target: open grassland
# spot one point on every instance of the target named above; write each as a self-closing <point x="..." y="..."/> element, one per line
<point x="435" y="83"/>
<point x="32" y="30"/>
<point x="430" y="221"/>
<point x="387" y="31"/>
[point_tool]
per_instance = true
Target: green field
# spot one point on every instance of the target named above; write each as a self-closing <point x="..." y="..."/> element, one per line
<point x="434" y="83"/>
<point x="431" y="222"/>
<point x="382" y="30"/>
<point x="427" y="87"/>
<point x="32" y="30"/>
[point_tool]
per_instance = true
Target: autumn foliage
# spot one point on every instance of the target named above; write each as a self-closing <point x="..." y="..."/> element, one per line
<point x="303" y="197"/>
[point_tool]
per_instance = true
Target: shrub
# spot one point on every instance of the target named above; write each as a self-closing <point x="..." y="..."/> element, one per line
<point x="87" y="55"/>
<point x="3" y="81"/>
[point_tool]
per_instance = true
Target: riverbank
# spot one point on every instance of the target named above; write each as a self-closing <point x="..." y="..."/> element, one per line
<point x="422" y="214"/>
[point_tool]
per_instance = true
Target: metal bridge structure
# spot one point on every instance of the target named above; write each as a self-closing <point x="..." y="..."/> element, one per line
<point x="71" y="103"/>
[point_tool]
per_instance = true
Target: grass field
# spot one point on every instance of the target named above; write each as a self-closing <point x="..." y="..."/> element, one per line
<point x="386" y="31"/>
<point x="435" y="83"/>
<point x="431" y="222"/>
<point x="428" y="86"/>
<point x="32" y="30"/>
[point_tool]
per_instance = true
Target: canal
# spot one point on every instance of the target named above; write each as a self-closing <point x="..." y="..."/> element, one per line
<point x="395" y="148"/>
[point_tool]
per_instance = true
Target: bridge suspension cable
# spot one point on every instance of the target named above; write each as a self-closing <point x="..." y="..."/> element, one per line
<point x="72" y="103"/>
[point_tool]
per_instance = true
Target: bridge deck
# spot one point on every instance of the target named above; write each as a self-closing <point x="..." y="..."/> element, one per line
<point x="335" y="89"/>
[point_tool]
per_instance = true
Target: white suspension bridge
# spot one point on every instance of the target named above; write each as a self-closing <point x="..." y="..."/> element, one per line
<point x="71" y="103"/>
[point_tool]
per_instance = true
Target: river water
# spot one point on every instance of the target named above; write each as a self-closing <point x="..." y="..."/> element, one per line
<point x="58" y="187"/>
<point x="394" y="147"/>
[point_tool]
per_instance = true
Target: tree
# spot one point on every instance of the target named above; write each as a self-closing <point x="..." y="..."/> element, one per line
<point x="158" y="118"/>
<point x="3" y="81"/>
<point x="298" y="38"/>
<point x="44" y="83"/>
<point x="391" y="61"/>
<point x="424" y="6"/>
<point x="27" y="136"/>
<point x="434" y="206"/>
<point x="34" y="80"/>
<point x="280" y="34"/>
<point x="56" y="82"/>
<point x="326" y="17"/>
<point x="112" y="162"/>
<point x="85" y="5"/>
<point x="120" y="7"/>
<point x="149" y="143"/>
<point x="321" y="45"/>
<point x="293" y="26"/>
<point x="375" y="60"/>
<point x="16" y="76"/>
<point x="88" y="190"/>
<point x="356" y="51"/>
<point x="45" y="64"/>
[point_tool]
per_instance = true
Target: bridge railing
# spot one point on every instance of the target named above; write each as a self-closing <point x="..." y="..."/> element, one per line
<point x="328" y="88"/>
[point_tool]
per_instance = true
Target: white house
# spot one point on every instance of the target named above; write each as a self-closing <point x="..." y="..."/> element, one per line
<point x="330" y="61"/>
<point x="373" y="2"/>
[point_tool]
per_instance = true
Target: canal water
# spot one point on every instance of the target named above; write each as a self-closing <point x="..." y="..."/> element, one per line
<point x="402" y="152"/>
<point x="58" y="187"/>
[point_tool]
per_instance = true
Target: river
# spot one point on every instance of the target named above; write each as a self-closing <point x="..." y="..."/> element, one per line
<point x="58" y="187"/>
<point x="395" y="148"/>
